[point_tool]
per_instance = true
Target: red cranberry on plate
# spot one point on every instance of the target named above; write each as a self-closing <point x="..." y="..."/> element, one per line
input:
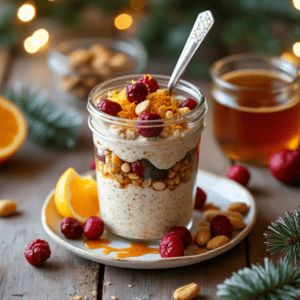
<point x="183" y="233"/>
<point x="93" y="228"/>
<point x="71" y="228"/>
<point x="200" y="198"/>
<point x="171" y="246"/>
<point x="220" y="225"/>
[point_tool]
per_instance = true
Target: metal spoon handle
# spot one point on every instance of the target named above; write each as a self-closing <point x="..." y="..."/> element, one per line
<point x="200" y="29"/>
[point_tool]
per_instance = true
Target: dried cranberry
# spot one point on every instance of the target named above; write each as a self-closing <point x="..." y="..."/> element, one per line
<point x="220" y="225"/>
<point x="149" y="131"/>
<point x="285" y="166"/>
<point x="239" y="174"/>
<point x="37" y="252"/>
<point x="190" y="103"/>
<point x="158" y="174"/>
<point x="152" y="84"/>
<point x="101" y="158"/>
<point x="140" y="167"/>
<point x="200" y="198"/>
<point x="93" y="228"/>
<point x="109" y="107"/>
<point x="71" y="228"/>
<point x="93" y="164"/>
<point x="183" y="233"/>
<point x="171" y="246"/>
<point x="136" y="92"/>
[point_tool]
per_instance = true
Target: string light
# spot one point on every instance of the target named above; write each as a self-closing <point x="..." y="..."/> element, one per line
<point x="26" y="12"/>
<point x="123" y="21"/>
<point x="32" y="44"/>
<point x="296" y="4"/>
<point x="296" y="49"/>
<point x="42" y="35"/>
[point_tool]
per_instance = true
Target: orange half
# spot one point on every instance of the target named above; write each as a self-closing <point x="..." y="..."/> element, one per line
<point x="13" y="129"/>
<point x="76" y="197"/>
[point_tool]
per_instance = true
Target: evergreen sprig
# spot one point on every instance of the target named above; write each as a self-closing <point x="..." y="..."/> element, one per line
<point x="284" y="235"/>
<point x="281" y="282"/>
<point x="48" y="124"/>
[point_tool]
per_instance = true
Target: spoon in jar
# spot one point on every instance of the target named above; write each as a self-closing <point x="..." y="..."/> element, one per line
<point x="200" y="29"/>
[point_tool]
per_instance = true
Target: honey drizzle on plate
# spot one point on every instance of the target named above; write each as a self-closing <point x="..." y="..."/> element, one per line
<point x="133" y="251"/>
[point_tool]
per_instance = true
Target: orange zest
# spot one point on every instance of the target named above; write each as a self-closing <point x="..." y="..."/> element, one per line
<point x="13" y="129"/>
<point x="76" y="197"/>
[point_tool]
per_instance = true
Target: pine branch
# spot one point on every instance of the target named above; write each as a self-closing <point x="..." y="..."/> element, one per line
<point x="281" y="282"/>
<point x="284" y="235"/>
<point x="48" y="124"/>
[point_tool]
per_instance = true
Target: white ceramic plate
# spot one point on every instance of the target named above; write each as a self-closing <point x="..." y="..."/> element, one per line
<point x="220" y="192"/>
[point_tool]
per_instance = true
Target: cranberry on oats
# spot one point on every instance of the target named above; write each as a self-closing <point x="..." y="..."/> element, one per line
<point x="146" y="180"/>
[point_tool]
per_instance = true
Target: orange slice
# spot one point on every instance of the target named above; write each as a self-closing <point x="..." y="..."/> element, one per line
<point x="76" y="197"/>
<point x="13" y="129"/>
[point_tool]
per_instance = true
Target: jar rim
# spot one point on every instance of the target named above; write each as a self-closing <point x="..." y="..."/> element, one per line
<point x="272" y="61"/>
<point x="194" y="115"/>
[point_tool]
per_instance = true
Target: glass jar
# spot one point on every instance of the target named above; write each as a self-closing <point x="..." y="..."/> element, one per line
<point x="144" y="208"/>
<point x="256" y="106"/>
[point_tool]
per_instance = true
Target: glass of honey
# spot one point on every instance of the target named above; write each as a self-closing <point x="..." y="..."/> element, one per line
<point x="256" y="105"/>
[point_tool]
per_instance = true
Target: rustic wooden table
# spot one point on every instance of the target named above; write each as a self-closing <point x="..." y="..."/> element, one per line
<point x="33" y="173"/>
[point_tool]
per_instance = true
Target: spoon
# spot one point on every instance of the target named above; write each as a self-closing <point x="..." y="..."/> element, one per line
<point x="200" y="29"/>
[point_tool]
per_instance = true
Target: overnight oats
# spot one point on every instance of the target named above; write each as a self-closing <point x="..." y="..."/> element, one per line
<point x="146" y="150"/>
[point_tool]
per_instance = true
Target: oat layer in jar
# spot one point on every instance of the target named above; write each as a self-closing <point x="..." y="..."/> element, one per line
<point x="146" y="149"/>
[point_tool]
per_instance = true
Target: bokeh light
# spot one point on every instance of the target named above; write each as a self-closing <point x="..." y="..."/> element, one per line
<point x="42" y="35"/>
<point x="32" y="44"/>
<point x="123" y="21"/>
<point x="296" y="49"/>
<point x="26" y="12"/>
<point x="296" y="4"/>
<point x="137" y="4"/>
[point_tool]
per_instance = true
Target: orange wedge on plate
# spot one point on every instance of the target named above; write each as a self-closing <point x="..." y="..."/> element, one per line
<point x="76" y="197"/>
<point x="13" y="129"/>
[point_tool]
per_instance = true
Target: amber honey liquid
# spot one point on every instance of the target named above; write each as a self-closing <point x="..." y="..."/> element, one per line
<point x="254" y="122"/>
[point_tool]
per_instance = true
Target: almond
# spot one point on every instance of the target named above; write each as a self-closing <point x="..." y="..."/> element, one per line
<point x="144" y="106"/>
<point x="187" y="292"/>
<point x="202" y="236"/>
<point x="210" y="214"/>
<point x="240" y="207"/>
<point x="217" y="242"/>
<point x="7" y="207"/>
<point x="237" y="223"/>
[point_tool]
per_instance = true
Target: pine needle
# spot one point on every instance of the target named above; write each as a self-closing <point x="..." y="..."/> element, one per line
<point x="284" y="236"/>
<point x="281" y="282"/>
<point x="48" y="124"/>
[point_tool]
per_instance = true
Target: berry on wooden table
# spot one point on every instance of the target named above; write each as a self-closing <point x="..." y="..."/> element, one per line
<point x="37" y="252"/>
<point x="239" y="174"/>
<point x="285" y="166"/>
<point x="171" y="246"/>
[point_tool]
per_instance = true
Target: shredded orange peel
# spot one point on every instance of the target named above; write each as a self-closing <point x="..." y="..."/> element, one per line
<point x="161" y="102"/>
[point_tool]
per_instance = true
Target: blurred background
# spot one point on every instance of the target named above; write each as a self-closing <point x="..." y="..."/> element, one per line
<point x="262" y="26"/>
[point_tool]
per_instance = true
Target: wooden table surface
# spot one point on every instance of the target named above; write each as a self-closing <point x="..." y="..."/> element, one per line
<point x="33" y="173"/>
